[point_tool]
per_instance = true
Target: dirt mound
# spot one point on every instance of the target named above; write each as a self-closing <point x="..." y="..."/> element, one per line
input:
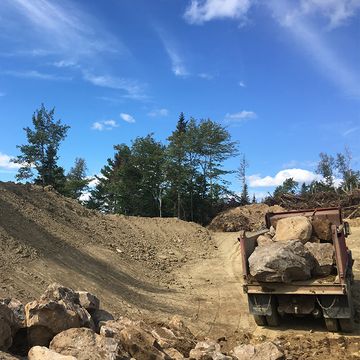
<point x="45" y="237"/>
<point x="248" y="218"/>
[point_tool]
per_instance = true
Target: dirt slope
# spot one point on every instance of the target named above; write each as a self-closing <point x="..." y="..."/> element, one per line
<point x="45" y="237"/>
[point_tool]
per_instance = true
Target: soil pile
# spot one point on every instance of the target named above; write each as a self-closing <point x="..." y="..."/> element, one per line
<point x="45" y="237"/>
<point x="248" y="218"/>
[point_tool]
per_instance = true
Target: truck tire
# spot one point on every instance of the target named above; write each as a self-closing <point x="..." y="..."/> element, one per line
<point x="332" y="324"/>
<point x="260" y="320"/>
<point x="346" y="325"/>
<point x="273" y="320"/>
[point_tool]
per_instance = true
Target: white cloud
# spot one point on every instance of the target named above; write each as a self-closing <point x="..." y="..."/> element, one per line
<point x="132" y="88"/>
<point x="242" y="84"/>
<point x="299" y="175"/>
<point x="6" y="163"/>
<point x="127" y="117"/>
<point x="200" y="11"/>
<point x="104" y="125"/>
<point x="241" y="116"/>
<point x="34" y="74"/>
<point x="158" y="112"/>
<point x="206" y="76"/>
<point x="328" y="60"/>
<point x="351" y="130"/>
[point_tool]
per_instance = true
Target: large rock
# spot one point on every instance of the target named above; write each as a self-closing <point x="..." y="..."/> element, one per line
<point x="263" y="351"/>
<point x="281" y="262"/>
<point x="18" y="310"/>
<point x="322" y="229"/>
<point x="57" y="310"/>
<point x="99" y="317"/>
<point x="264" y="240"/>
<point x="135" y="337"/>
<point x="324" y="255"/>
<point x="208" y="350"/>
<point x="8" y="327"/>
<point x="293" y="228"/>
<point x="85" y="344"/>
<point x="43" y="353"/>
<point x="88" y="301"/>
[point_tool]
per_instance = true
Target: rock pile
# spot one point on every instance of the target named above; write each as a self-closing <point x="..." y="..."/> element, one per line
<point x="69" y="325"/>
<point x="297" y="249"/>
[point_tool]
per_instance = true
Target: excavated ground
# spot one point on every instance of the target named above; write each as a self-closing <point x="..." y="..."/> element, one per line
<point x="148" y="268"/>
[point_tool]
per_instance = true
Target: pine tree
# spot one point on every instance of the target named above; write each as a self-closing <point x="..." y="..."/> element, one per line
<point x="40" y="154"/>
<point x="76" y="180"/>
<point x="254" y="199"/>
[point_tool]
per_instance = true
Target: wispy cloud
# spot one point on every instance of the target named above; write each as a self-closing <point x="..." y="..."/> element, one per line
<point x="127" y="117"/>
<point x="351" y="130"/>
<point x="104" y="125"/>
<point x="34" y="74"/>
<point x="158" y="113"/>
<point x="240" y="116"/>
<point x="328" y="60"/>
<point x="242" y="84"/>
<point x="132" y="88"/>
<point x="6" y="163"/>
<point x="206" y="76"/>
<point x="200" y="11"/>
<point x="299" y="175"/>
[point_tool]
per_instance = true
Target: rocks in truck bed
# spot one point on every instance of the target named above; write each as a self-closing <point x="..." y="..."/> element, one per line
<point x="322" y="229"/>
<point x="282" y="261"/>
<point x="293" y="228"/>
<point x="324" y="258"/>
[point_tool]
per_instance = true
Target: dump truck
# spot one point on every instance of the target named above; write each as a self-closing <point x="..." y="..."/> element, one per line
<point x="328" y="297"/>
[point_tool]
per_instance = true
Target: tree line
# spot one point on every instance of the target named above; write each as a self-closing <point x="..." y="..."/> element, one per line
<point x="183" y="177"/>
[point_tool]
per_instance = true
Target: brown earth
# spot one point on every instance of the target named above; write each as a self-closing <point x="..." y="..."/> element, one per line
<point x="149" y="268"/>
<point x="248" y="218"/>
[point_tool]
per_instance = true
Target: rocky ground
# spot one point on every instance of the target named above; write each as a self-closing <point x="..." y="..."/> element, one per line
<point x="149" y="269"/>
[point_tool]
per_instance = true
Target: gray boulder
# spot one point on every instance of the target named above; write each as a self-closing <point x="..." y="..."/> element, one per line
<point x="324" y="255"/>
<point x="263" y="351"/>
<point x="281" y="262"/>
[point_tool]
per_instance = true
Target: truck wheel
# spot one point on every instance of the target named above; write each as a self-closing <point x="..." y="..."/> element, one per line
<point x="273" y="319"/>
<point x="346" y="325"/>
<point x="332" y="324"/>
<point x="260" y="320"/>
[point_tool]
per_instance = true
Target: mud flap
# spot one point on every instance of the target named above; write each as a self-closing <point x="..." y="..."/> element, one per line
<point x="335" y="307"/>
<point x="261" y="304"/>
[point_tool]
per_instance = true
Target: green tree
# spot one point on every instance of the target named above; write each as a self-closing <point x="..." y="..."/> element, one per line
<point x="254" y="199"/>
<point x="350" y="177"/>
<point x="289" y="186"/>
<point x="325" y="168"/>
<point x="76" y="180"/>
<point x="244" y="197"/>
<point x="40" y="154"/>
<point x="304" y="189"/>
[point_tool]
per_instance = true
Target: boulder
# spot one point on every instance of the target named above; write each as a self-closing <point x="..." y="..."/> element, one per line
<point x="8" y="327"/>
<point x="57" y="310"/>
<point x="18" y="310"/>
<point x="282" y="261"/>
<point x="99" y="317"/>
<point x="263" y="351"/>
<point x="324" y="255"/>
<point x="43" y="353"/>
<point x="322" y="229"/>
<point x="264" y="240"/>
<point x="85" y="344"/>
<point x="88" y="300"/>
<point x="207" y="350"/>
<point x="293" y="228"/>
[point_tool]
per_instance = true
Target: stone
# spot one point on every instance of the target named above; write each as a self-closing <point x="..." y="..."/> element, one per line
<point x="57" y="310"/>
<point x="8" y="327"/>
<point x="85" y="344"/>
<point x="99" y="317"/>
<point x="324" y="255"/>
<point x="135" y="337"/>
<point x="282" y="261"/>
<point x="88" y="300"/>
<point x="293" y="228"/>
<point x="322" y="229"/>
<point x="205" y="350"/>
<point x="264" y="240"/>
<point x="43" y="353"/>
<point x="6" y="356"/>
<point x="174" y="354"/>
<point x="18" y="310"/>
<point x="263" y="351"/>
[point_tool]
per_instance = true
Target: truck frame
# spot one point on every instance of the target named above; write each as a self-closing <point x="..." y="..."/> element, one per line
<point x="328" y="297"/>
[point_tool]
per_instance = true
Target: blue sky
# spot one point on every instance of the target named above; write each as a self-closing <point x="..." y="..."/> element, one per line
<point x="283" y="76"/>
